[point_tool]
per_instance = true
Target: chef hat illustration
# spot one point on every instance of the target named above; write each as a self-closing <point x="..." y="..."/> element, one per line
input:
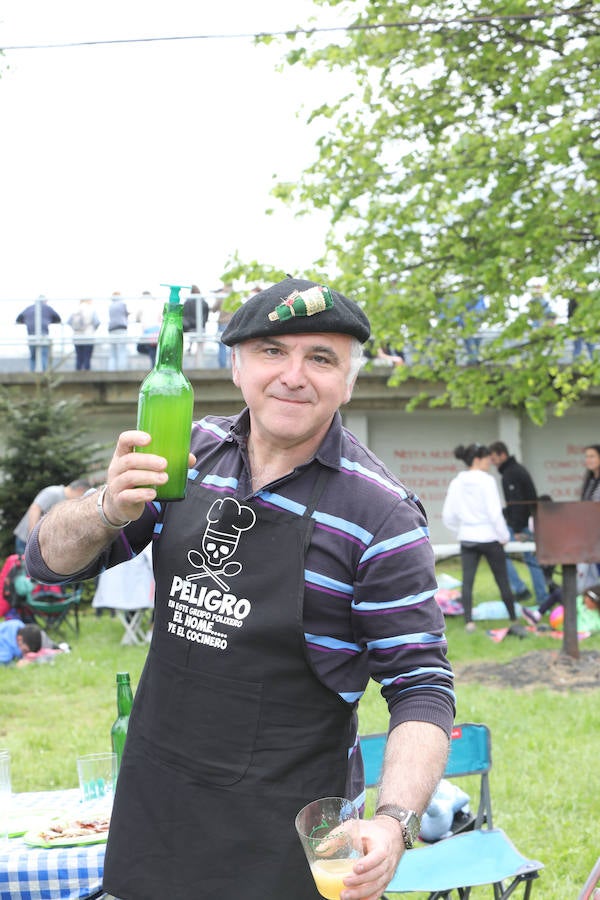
<point x="226" y="520"/>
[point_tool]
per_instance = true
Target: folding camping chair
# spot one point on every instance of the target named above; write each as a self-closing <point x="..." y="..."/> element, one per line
<point x="136" y="623"/>
<point x="479" y="856"/>
<point x="128" y="589"/>
<point x="52" y="610"/>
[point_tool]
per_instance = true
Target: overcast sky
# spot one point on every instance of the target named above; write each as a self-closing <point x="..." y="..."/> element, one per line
<point x="129" y="165"/>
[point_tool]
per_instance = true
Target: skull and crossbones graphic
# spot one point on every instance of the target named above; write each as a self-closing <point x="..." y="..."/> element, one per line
<point x="226" y="520"/>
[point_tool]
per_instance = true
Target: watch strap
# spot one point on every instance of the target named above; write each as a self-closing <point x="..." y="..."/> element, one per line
<point x="409" y="821"/>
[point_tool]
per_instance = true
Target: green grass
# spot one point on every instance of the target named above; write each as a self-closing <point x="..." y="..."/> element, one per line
<point x="544" y="743"/>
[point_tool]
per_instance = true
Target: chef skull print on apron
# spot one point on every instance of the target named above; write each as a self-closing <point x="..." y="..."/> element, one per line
<point x="231" y="731"/>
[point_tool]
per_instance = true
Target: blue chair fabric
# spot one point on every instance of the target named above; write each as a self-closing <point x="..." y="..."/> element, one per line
<point x="480" y="856"/>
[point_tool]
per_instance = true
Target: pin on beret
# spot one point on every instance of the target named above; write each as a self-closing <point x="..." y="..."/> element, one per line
<point x="296" y="306"/>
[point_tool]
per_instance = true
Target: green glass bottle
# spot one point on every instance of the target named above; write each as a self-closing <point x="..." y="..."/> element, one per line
<point x="118" y="732"/>
<point x="166" y="403"/>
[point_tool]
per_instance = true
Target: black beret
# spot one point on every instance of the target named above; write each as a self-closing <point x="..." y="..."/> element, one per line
<point x="296" y="306"/>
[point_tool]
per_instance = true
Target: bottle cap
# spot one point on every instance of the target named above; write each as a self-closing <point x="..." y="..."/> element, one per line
<point x="174" y="291"/>
<point x="122" y="676"/>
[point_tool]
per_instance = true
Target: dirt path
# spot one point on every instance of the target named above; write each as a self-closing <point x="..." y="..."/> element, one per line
<point x="541" y="668"/>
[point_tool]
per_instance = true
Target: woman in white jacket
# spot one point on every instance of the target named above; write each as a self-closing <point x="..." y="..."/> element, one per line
<point x="473" y="510"/>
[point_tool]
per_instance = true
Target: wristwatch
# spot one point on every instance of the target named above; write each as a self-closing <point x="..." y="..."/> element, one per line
<point x="410" y="823"/>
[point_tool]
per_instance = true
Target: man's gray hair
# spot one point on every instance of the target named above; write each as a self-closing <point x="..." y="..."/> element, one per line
<point x="357" y="359"/>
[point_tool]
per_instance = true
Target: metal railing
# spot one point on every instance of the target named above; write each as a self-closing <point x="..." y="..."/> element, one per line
<point x="57" y="345"/>
<point x="201" y="351"/>
<point x="202" y="347"/>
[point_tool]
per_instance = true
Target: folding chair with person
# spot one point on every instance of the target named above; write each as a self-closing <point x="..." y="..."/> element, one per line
<point x="49" y="606"/>
<point x="53" y="607"/>
<point x="480" y="855"/>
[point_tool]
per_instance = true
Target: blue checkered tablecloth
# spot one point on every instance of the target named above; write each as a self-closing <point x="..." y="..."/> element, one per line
<point x="60" y="873"/>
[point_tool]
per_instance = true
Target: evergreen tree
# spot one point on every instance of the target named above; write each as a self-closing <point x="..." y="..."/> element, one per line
<point x="45" y="443"/>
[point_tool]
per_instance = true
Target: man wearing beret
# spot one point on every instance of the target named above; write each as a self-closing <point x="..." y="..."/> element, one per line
<point x="296" y="568"/>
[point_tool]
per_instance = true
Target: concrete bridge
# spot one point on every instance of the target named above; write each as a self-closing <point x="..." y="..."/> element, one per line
<point x="416" y="446"/>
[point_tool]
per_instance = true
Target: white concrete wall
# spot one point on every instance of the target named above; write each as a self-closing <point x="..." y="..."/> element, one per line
<point x="554" y="453"/>
<point x="418" y="447"/>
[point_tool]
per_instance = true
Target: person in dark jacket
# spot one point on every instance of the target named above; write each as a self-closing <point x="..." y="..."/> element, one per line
<point x="190" y="317"/>
<point x="36" y="318"/>
<point x="520" y="495"/>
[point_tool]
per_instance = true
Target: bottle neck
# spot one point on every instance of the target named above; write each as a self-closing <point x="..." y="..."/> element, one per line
<point x="169" y="354"/>
<point x="124" y="699"/>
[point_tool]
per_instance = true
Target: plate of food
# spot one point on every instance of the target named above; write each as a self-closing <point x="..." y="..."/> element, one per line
<point x="69" y="833"/>
<point x="26" y="821"/>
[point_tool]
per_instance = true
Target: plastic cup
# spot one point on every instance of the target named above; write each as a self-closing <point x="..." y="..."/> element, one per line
<point x="97" y="776"/>
<point x="329" y="831"/>
<point x="5" y="795"/>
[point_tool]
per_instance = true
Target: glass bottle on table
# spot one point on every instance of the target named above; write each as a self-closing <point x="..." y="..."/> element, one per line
<point x="118" y="732"/>
<point x="166" y="403"/>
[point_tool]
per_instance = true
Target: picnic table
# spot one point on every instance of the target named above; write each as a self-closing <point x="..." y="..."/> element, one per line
<point x="56" y="873"/>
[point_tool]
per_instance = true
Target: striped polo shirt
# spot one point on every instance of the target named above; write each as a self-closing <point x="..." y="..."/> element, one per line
<point x="369" y="579"/>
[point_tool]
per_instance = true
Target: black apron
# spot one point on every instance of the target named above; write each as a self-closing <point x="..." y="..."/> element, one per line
<point x="231" y="731"/>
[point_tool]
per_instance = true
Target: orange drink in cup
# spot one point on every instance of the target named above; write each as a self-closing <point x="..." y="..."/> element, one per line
<point x="329" y="831"/>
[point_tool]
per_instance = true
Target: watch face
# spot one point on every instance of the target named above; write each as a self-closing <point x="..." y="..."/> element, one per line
<point x="413" y="827"/>
<point x="408" y="819"/>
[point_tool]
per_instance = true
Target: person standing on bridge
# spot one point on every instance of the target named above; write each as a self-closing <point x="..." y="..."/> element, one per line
<point x="37" y="317"/>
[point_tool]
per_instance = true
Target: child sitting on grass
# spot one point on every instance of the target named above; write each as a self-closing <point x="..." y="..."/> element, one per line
<point x="588" y="608"/>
